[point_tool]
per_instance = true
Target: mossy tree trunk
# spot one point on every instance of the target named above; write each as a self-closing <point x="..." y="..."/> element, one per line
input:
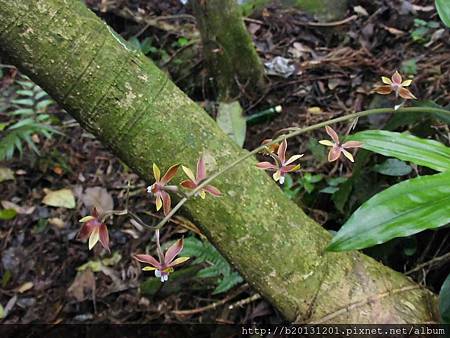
<point x="123" y="98"/>
<point x="228" y="48"/>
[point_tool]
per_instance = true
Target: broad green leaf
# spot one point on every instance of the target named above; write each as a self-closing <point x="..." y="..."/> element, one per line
<point x="392" y="167"/>
<point x="401" y="210"/>
<point x="444" y="301"/>
<point x="7" y="214"/>
<point x="443" y="9"/>
<point x="231" y="121"/>
<point x="405" y="147"/>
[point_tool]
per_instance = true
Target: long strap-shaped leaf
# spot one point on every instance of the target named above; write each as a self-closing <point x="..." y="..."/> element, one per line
<point x="401" y="210"/>
<point x="428" y="153"/>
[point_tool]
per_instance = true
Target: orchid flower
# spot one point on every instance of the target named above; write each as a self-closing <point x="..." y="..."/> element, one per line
<point x="194" y="181"/>
<point x="164" y="266"/>
<point x="281" y="166"/>
<point x="397" y="85"/>
<point x="337" y="148"/>
<point x="94" y="229"/>
<point x="160" y="187"/>
<point x="271" y="148"/>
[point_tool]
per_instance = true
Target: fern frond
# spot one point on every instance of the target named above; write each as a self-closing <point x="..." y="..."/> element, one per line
<point x="217" y="268"/>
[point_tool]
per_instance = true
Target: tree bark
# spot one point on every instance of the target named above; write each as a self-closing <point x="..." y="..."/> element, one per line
<point x="228" y="48"/>
<point x="123" y="98"/>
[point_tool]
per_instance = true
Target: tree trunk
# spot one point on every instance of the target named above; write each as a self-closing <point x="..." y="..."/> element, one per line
<point x="228" y="48"/>
<point x="124" y="99"/>
<point x="323" y="10"/>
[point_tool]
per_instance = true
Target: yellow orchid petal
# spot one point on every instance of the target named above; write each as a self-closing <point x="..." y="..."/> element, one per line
<point x="148" y="268"/>
<point x="327" y="143"/>
<point x="179" y="260"/>
<point x="158" y="203"/>
<point x="348" y="155"/>
<point x="168" y="270"/>
<point x="406" y="83"/>
<point x="276" y="175"/>
<point x="94" y="238"/>
<point x="297" y="167"/>
<point x="293" y="159"/>
<point x="156" y="172"/>
<point x="202" y="194"/>
<point x="86" y="219"/>
<point x="386" y="80"/>
<point x="189" y="173"/>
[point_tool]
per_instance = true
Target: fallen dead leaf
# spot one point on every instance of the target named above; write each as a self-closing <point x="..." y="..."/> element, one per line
<point x="6" y="174"/>
<point x="25" y="287"/>
<point x="83" y="286"/>
<point x="18" y="209"/>
<point x="62" y="198"/>
<point x="99" y="198"/>
<point x="315" y="110"/>
<point x="58" y="222"/>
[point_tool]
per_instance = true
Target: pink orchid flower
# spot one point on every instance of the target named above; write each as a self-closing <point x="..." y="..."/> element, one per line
<point x="166" y="262"/>
<point x="194" y="181"/>
<point x="95" y="230"/>
<point x="337" y="148"/>
<point x="281" y="166"/>
<point x="160" y="188"/>
<point x="397" y="85"/>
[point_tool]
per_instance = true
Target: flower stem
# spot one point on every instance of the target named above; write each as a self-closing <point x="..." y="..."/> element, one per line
<point x="294" y="132"/>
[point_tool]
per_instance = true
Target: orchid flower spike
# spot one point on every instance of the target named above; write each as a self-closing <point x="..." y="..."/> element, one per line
<point x="397" y="85"/>
<point x="195" y="181"/>
<point x="281" y="166"/>
<point x="95" y="230"/>
<point x="164" y="266"/>
<point x="337" y="148"/>
<point x="160" y="188"/>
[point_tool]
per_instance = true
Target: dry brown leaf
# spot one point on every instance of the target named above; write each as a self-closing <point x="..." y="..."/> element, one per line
<point x="99" y="198"/>
<point x="17" y="208"/>
<point x="62" y="198"/>
<point x="25" y="287"/>
<point x="83" y="286"/>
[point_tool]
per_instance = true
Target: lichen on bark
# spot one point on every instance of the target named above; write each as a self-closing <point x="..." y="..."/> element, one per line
<point x="131" y="106"/>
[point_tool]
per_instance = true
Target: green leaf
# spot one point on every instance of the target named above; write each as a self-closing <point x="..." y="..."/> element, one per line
<point x="228" y="282"/>
<point x="401" y="210"/>
<point x="428" y="153"/>
<point x="392" y="167"/>
<point x="443" y="9"/>
<point x="231" y="121"/>
<point x="444" y="301"/>
<point x="7" y="214"/>
<point x="62" y="198"/>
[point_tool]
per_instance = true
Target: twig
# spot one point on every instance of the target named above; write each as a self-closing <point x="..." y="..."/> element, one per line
<point x="245" y="301"/>
<point x="430" y="262"/>
<point x="363" y="302"/>
<point x="327" y="24"/>
<point x="211" y="306"/>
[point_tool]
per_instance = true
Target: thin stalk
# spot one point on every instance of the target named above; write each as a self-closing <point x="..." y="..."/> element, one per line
<point x="294" y="132"/>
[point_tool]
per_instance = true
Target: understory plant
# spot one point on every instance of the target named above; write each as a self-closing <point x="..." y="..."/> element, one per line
<point x="28" y="119"/>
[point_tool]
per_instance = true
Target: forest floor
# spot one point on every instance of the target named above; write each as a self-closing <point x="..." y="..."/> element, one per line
<point x="47" y="275"/>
